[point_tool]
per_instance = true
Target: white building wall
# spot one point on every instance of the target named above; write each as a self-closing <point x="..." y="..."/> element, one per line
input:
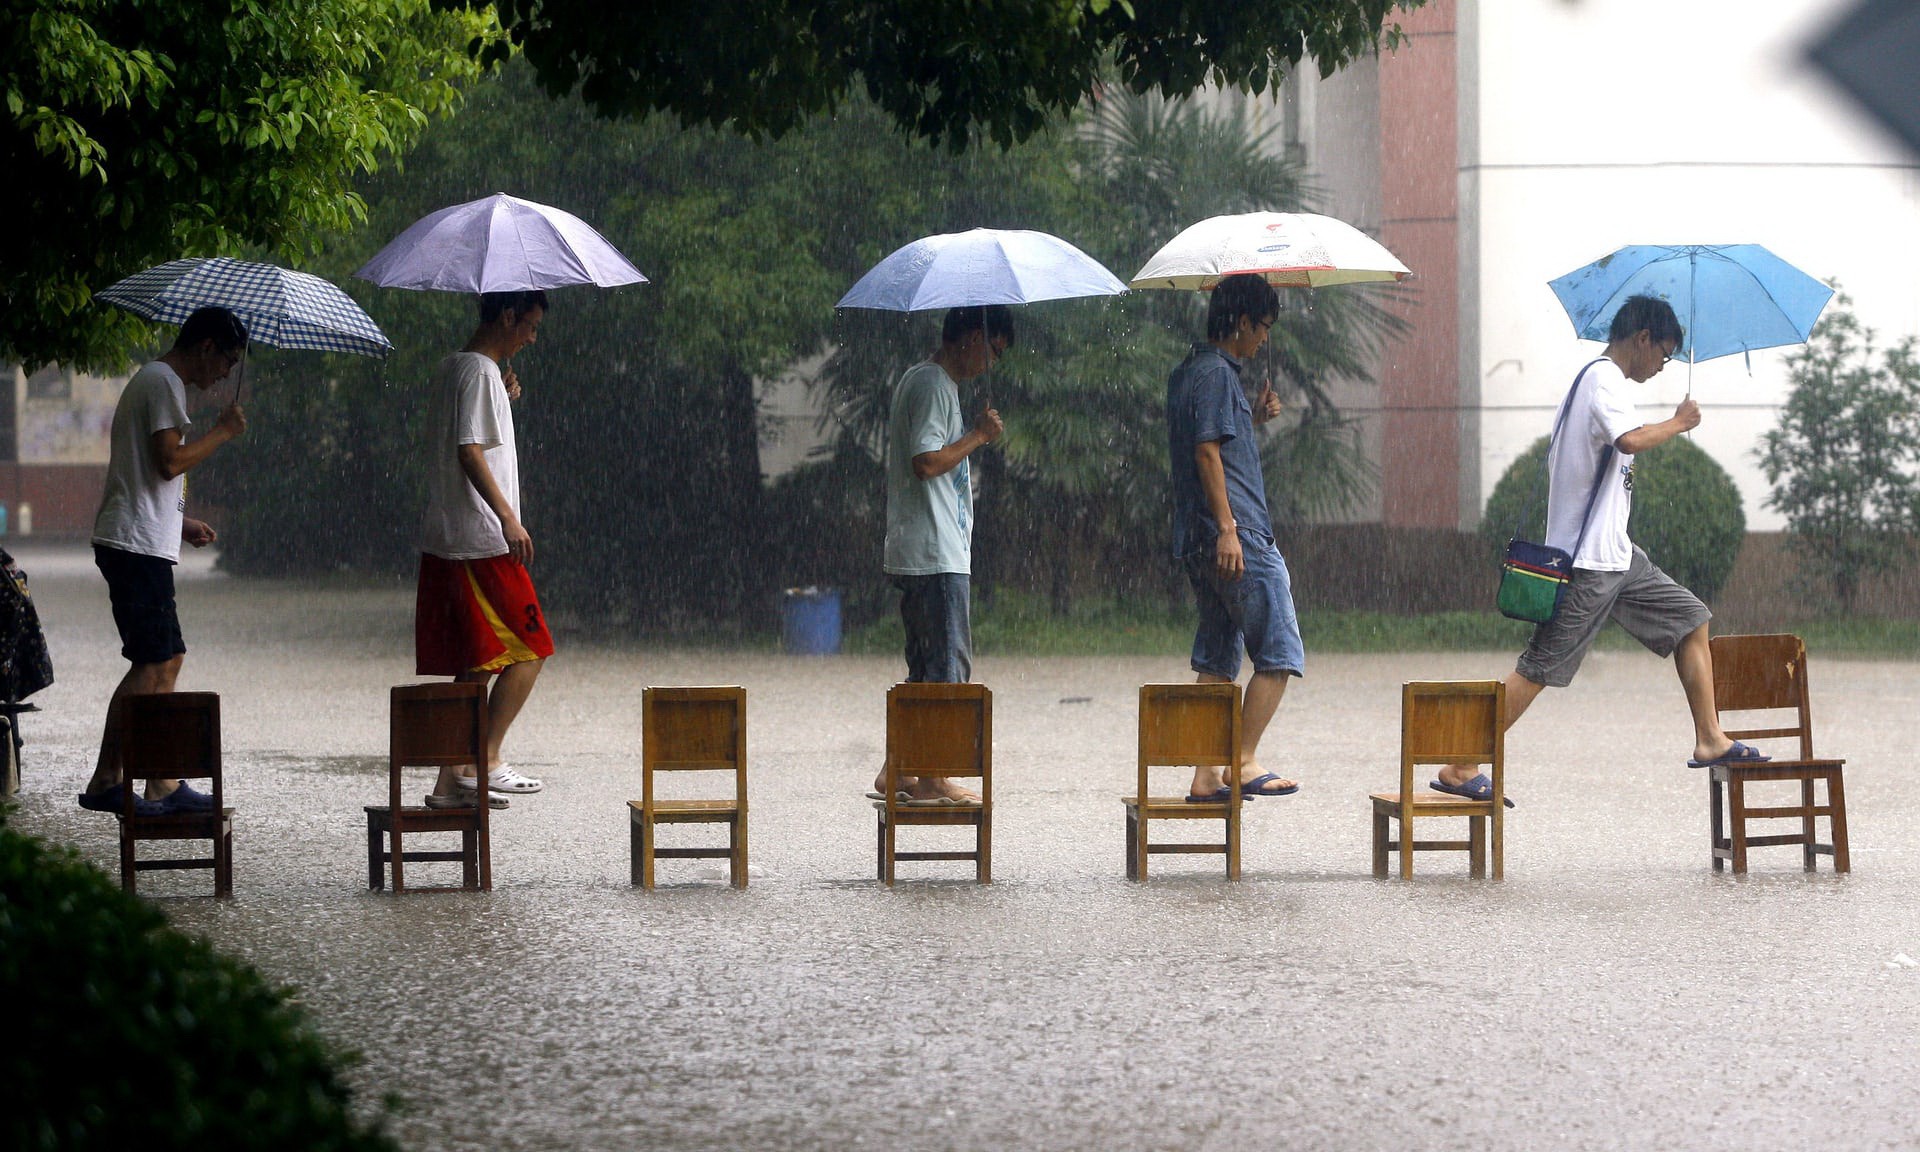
<point x="1590" y="124"/>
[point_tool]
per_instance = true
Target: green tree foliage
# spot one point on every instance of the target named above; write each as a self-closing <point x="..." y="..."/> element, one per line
<point x="128" y="1034"/>
<point x="942" y="71"/>
<point x="1686" y="511"/>
<point x="1842" y="460"/>
<point x="141" y="131"/>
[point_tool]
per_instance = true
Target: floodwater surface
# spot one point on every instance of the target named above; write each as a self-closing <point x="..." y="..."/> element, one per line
<point x="1612" y="991"/>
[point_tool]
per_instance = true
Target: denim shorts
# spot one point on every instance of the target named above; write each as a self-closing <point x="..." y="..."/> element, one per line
<point x="937" y="614"/>
<point x="1255" y="611"/>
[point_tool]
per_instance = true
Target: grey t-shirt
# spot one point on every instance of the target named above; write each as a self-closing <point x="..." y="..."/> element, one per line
<point x="140" y="511"/>
<point x="929" y="522"/>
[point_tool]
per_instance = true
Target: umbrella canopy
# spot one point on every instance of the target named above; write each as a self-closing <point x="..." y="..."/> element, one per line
<point x="984" y="266"/>
<point x="499" y="244"/>
<point x="281" y="308"/>
<point x="1729" y="297"/>
<point x="1290" y="249"/>
<point x="1870" y="52"/>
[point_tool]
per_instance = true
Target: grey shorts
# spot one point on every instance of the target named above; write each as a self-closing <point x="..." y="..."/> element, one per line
<point x="1643" y="600"/>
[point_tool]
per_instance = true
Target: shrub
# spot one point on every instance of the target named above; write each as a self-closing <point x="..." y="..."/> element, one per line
<point x="1686" y="511"/>
<point x="123" y="1033"/>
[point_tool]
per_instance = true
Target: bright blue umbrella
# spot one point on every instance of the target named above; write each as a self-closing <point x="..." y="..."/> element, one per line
<point x="984" y="266"/>
<point x="1729" y="297"/>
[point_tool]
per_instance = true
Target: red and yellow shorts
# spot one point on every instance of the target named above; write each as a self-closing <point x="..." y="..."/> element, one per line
<point x="476" y="616"/>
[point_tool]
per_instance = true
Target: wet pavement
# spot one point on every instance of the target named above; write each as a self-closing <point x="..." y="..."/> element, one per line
<point x="1612" y="992"/>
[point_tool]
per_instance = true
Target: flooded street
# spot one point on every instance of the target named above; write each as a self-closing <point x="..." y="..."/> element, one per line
<point x="1613" y="991"/>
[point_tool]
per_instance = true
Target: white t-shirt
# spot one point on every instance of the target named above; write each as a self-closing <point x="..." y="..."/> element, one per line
<point x="140" y="511"/>
<point x="1599" y="415"/>
<point x="468" y="406"/>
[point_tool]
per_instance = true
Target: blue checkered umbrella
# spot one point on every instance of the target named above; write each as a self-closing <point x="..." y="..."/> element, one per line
<point x="281" y="308"/>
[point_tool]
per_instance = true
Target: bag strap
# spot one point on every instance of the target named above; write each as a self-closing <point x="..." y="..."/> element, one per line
<point x="1599" y="476"/>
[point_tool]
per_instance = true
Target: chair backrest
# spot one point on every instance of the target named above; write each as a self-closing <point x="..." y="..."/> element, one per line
<point x="435" y="726"/>
<point x="1452" y="722"/>
<point x="693" y="730"/>
<point x="171" y="735"/>
<point x="941" y="730"/>
<point x="1188" y="725"/>
<point x="1764" y="674"/>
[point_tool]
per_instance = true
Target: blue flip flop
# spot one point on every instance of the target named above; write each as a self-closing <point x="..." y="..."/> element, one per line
<point x="1478" y="788"/>
<point x="109" y="800"/>
<point x="1217" y="797"/>
<point x="1738" y="754"/>
<point x="1257" y="787"/>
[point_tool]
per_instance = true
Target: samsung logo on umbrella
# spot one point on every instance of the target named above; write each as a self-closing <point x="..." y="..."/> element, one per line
<point x="1276" y="248"/>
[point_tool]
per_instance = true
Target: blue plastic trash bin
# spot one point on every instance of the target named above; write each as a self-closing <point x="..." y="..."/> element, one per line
<point x="810" y="621"/>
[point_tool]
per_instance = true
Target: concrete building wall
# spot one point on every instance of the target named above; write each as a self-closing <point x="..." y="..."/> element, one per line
<point x="1590" y="124"/>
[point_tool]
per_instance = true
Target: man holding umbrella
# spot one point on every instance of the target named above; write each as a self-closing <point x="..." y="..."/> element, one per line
<point x="929" y="546"/>
<point x="1221" y="530"/>
<point x="141" y="522"/>
<point x="1589" y="497"/>
<point x="476" y="613"/>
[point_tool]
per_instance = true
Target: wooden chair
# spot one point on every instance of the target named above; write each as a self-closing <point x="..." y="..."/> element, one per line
<point x="938" y="730"/>
<point x="433" y="726"/>
<point x="165" y="736"/>
<point x="1186" y="725"/>
<point x="1446" y="722"/>
<point x="1769" y="673"/>
<point x="691" y="730"/>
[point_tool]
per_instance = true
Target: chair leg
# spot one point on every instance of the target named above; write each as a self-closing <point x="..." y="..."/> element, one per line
<point x="1737" y="822"/>
<point x="127" y="869"/>
<point x="1717" y="811"/>
<point x="1477" y="847"/>
<point x="880" y="846"/>
<point x="983" y="851"/>
<point x="470" y="859"/>
<point x="1380" y="845"/>
<point x="1233" y="845"/>
<point x="1133" y="839"/>
<point x="1807" y="854"/>
<point x="398" y="865"/>
<point x="1406" y="842"/>
<point x="648" y="833"/>
<point x="738" y="843"/>
<point x="633" y="847"/>
<point x="223" y="861"/>
<point x="1837" y="821"/>
<point x="376" y="866"/>
<point x="887" y="849"/>
<point x="1498" y="842"/>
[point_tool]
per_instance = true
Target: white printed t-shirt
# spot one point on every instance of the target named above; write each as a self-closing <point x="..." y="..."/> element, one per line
<point x="1601" y="412"/>
<point x="140" y="511"/>
<point x="468" y="406"/>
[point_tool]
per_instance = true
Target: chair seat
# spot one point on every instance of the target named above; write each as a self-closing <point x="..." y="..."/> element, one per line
<point x="180" y="825"/>
<point x="688" y="811"/>
<point x="1774" y="769"/>
<point x="932" y="813"/>
<point x="1177" y="807"/>
<point x="420" y="818"/>
<point x="1432" y="804"/>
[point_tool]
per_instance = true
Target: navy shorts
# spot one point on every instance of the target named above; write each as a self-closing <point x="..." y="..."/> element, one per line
<point x="141" y="588"/>
<point x="1254" y="612"/>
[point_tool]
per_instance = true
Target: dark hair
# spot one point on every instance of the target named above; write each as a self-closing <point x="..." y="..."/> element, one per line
<point x="494" y="303"/>
<point x="996" y="320"/>
<point x="1242" y="294"/>
<point x="1651" y="313"/>
<point x="216" y="324"/>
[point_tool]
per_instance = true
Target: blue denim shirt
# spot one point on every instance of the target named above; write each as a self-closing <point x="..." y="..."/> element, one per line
<point x="1205" y="401"/>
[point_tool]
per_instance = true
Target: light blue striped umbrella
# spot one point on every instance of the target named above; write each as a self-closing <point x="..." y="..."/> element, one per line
<point x="280" y="307"/>
<point x="984" y="266"/>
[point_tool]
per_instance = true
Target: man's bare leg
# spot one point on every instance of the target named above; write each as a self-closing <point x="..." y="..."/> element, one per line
<point x="1521" y="693"/>
<point x="509" y="695"/>
<point x="1257" y="708"/>
<point x="140" y="680"/>
<point x="1693" y="660"/>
